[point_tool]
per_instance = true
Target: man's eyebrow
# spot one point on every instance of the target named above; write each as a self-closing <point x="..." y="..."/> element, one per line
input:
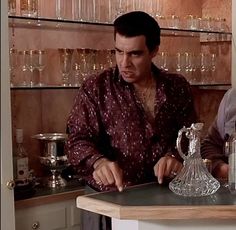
<point x="117" y="49"/>
<point x="131" y="52"/>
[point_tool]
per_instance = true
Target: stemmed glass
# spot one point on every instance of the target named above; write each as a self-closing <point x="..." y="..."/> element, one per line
<point x="31" y="63"/>
<point x="77" y="74"/>
<point x="205" y="67"/>
<point x="41" y="59"/>
<point x="179" y="62"/>
<point x="65" y="64"/>
<point x="12" y="64"/>
<point x="11" y="7"/>
<point x="163" y="60"/>
<point x="60" y="9"/>
<point x="23" y="66"/>
<point x="120" y="7"/>
<point x="83" y="63"/>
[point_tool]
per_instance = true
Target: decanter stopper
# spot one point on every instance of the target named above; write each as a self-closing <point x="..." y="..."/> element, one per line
<point x="194" y="179"/>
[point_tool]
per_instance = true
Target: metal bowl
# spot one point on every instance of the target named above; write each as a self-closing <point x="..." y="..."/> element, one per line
<point x="52" y="144"/>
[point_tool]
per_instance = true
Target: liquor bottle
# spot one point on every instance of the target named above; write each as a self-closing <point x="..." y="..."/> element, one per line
<point x="232" y="161"/>
<point x="21" y="167"/>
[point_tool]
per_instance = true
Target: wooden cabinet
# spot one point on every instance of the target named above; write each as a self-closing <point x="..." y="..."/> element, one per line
<point x="55" y="216"/>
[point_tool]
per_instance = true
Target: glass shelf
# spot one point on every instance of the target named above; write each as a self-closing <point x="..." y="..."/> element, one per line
<point x="47" y="87"/>
<point x="51" y="23"/>
<point x="212" y="86"/>
<point x="218" y="86"/>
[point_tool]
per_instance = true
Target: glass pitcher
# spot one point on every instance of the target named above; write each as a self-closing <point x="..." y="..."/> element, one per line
<point x="194" y="179"/>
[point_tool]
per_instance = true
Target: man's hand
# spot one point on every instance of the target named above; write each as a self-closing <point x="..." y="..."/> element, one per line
<point x="221" y="171"/>
<point x="167" y="166"/>
<point x="108" y="173"/>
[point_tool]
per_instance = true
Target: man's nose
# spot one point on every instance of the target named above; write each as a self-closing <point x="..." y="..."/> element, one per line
<point x="125" y="60"/>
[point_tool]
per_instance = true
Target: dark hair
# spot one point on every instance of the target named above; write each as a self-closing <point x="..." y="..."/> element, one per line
<point x="137" y="23"/>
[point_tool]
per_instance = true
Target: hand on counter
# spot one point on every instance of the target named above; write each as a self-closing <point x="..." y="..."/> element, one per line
<point x="221" y="171"/>
<point x="108" y="173"/>
<point x="167" y="166"/>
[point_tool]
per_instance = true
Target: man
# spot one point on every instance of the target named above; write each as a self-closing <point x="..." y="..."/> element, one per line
<point x="124" y="123"/>
<point x="223" y="126"/>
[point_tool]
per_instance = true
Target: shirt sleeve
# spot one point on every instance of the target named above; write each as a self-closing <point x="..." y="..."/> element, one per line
<point x="226" y="116"/>
<point x="220" y="120"/>
<point x="83" y="132"/>
<point x="212" y="147"/>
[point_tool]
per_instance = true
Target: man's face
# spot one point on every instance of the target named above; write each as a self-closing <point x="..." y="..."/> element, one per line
<point x="133" y="58"/>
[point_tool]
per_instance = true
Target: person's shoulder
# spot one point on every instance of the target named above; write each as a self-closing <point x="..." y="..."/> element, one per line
<point x="231" y="93"/>
<point x="175" y="81"/>
<point x="229" y="98"/>
<point x="101" y="79"/>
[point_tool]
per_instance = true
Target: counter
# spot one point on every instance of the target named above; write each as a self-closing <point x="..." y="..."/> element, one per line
<point x="45" y="195"/>
<point x="151" y="205"/>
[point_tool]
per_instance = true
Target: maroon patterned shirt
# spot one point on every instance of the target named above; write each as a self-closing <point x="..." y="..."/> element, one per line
<point x="108" y="120"/>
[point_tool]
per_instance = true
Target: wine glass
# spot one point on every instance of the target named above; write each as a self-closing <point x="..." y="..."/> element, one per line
<point x="31" y="63"/>
<point x="120" y="7"/>
<point x="163" y="60"/>
<point x="12" y="64"/>
<point x="205" y="67"/>
<point x="11" y="7"/>
<point x="179" y="62"/>
<point x="65" y="64"/>
<point x="22" y="59"/>
<point x="41" y="59"/>
<point x="60" y="9"/>
<point x="83" y="62"/>
<point x="77" y="75"/>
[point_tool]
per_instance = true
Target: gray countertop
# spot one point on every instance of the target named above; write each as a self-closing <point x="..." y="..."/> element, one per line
<point x="154" y="201"/>
<point x="154" y="194"/>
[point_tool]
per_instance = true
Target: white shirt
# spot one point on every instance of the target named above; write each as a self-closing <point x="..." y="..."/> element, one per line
<point x="226" y="116"/>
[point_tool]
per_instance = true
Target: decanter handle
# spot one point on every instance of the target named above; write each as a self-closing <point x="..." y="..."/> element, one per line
<point x="178" y="142"/>
<point x="193" y="134"/>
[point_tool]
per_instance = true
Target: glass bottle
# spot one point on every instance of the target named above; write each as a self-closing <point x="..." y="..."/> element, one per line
<point x="21" y="169"/>
<point x="232" y="161"/>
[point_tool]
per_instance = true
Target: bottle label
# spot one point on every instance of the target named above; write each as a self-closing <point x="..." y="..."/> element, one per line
<point x="22" y="168"/>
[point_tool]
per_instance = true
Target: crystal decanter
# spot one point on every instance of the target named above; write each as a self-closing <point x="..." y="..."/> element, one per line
<point x="194" y="180"/>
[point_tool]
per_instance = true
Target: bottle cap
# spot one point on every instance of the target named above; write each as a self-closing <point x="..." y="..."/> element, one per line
<point x="19" y="135"/>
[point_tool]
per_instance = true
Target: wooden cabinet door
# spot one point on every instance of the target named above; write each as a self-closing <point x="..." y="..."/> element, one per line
<point x="7" y="196"/>
<point x="60" y="215"/>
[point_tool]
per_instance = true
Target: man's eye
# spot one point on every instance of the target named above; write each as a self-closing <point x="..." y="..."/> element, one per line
<point x="119" y="52"/>
<point x="136" y="54"/>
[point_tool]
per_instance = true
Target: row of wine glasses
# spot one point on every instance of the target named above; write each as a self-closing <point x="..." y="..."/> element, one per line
<point x="77" y="64"/>
<point x="192" y="22"/>
<point x="27" y="60"/>
<point x="84" y="10"/>
<point x="198" y="68"/>
<point x="106" y="11"/>
<point x="82" y="62"/>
